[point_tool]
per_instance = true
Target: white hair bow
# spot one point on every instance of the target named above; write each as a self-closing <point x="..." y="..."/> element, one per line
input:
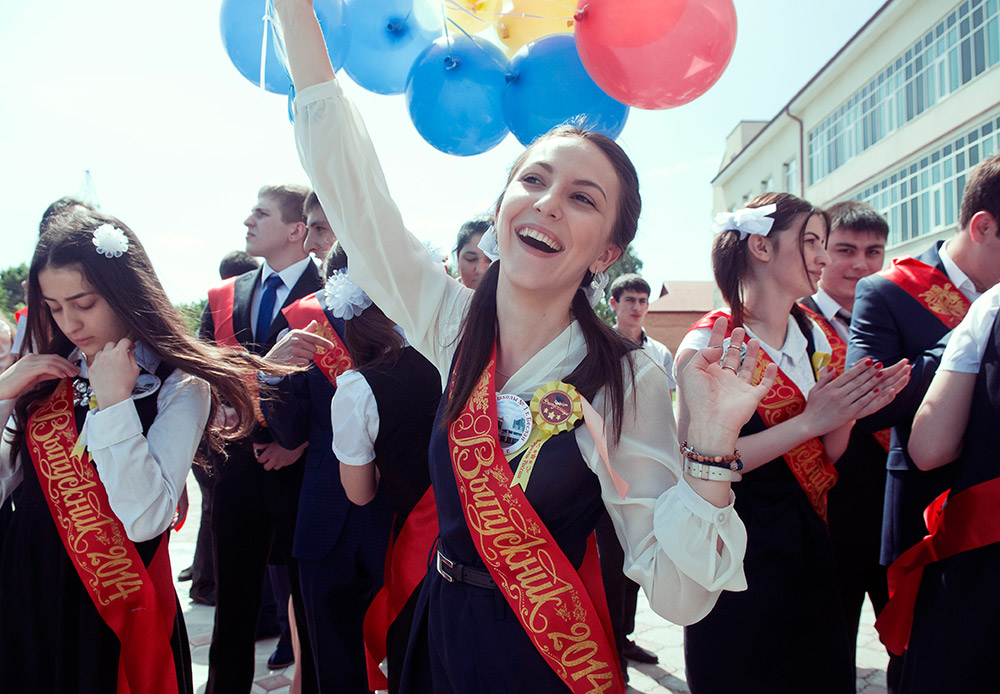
<point x="748" y="220"/>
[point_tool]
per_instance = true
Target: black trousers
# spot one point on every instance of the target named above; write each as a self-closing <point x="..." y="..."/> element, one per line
<point x="253" y="520"/>
<point x="622" y="592"/>
<point x="203" y="566"/>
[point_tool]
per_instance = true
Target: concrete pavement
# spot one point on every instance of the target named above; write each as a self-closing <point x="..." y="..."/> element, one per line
<point x="651" y="631"/>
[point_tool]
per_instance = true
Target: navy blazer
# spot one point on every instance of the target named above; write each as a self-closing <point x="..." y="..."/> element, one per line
<point x="888" y="324"/>
<point x="300" y="412"/>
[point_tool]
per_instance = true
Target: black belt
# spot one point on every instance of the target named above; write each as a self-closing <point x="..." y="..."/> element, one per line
<point x="452" y="571"/>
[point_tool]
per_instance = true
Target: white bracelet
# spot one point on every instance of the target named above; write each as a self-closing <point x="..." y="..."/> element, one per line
<point x="710" y="472"/>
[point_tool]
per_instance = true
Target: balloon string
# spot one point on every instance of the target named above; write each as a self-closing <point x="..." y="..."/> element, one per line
<point x="263" y="42"/>
<point x="502" y="66"/>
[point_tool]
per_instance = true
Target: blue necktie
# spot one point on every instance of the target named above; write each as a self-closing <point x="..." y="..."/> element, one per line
<point x="266" y="309"/>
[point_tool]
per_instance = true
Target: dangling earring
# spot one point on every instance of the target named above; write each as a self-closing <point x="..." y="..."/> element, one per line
<point x="595" y="291"/>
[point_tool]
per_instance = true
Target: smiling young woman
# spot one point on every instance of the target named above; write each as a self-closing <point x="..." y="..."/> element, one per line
<point x="513" y="596"/>
<point x="766" y="257"/>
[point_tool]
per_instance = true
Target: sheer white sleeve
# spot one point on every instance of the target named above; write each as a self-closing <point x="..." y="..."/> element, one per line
<point x="669" y="533"/>
<point x="144" y="475"/>
<point x="386" y="260"/>
<point x="354" y="414"/>
<point x="10" y="471"/>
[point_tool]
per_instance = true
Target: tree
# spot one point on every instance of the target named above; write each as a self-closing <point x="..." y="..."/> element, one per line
<point x="11" y="293"/>
<point x="191" y="313"/>
<point x="629" y="262"/>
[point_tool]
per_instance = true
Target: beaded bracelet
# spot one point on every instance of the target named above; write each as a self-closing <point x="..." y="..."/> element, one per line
<point x="732" y="462"/>
<point x="716" y="473"/>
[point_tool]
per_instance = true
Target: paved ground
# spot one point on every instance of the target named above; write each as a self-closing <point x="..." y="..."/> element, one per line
<point x="651" y="631"/>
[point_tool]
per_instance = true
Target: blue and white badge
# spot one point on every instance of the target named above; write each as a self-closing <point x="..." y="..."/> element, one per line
<point x="514" y="422"/>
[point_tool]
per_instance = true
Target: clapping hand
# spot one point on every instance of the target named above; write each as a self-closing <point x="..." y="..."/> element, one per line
<point x="113" y="373"/>
<point x="718" y="393"/>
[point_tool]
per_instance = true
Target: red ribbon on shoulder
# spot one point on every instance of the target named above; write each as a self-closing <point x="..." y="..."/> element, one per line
<point x="930" y="287"/>
<point x="136" y="601"/>
<point x="332" y="362"/>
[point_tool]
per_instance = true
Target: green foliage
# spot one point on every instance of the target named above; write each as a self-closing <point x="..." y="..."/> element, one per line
<point x="191" y="313"/>
<point x="11" y="294"/>
<point x="629" y="262"/>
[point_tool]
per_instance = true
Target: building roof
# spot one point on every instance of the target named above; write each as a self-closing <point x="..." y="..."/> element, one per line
<point x="685" y="296"/>
<point x="787" y="108"/>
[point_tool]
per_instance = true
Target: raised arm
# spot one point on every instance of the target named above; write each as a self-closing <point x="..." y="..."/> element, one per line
<point x="385" y="260"/>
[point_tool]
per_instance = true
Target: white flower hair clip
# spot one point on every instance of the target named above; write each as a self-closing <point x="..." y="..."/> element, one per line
<point x="489" y="246"/>
<point x="111" y="241"/>
<point x="748" y="220"/>
<point x="344" y="299"/>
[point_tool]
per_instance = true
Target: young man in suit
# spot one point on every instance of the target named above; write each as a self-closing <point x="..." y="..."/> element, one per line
<point x="256" y="495"/>
<point x="856" y="246"/>
<point x="905" y="311"/>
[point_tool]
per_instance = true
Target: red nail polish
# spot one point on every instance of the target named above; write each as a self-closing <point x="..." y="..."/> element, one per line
<point x="876" y="390"/>
<point x="878" y="375"/>
<point x="878" y="365"/>
<point x="868" y="361"/>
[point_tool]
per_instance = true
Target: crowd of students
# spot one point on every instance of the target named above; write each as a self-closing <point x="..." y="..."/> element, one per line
<point x="416" y="465"/>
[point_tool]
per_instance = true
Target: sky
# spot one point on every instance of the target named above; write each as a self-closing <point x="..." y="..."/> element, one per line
<point x="144" y="96"/>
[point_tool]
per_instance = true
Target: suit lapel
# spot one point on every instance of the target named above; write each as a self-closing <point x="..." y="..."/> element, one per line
<point x="243" y="299"/>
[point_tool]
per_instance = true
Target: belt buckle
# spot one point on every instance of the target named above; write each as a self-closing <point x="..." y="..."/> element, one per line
<point x="443" y="561"/>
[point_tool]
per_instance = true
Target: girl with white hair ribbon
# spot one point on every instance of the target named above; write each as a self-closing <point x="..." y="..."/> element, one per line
<point x="766" y="256"/>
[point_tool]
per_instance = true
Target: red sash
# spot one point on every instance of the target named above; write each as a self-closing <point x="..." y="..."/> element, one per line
<point x="930" y="287"/>
<point x="18" y="313"/>
<point x="331" y="362"/>
<point x="808" y="462"/>
<point x="137" y="602"/>
<point x="956" y="523"/>
<point x="405" y="568"/>
<point x="563" y="612"/>
<point x="221" y="301"/>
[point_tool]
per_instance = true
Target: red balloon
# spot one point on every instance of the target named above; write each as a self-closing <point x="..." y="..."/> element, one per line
<point x="655" y="54"/>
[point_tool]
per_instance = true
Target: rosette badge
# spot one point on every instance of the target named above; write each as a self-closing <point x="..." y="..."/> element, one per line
<point x="110" y="241"/>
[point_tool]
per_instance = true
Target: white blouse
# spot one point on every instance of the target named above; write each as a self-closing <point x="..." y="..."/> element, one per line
<point x="144" y="475"/>
<point x="669" y="532"/>
<point x="968" y="341"/>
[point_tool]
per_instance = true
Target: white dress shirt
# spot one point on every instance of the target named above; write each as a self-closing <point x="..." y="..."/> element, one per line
<point x="955" y="274"/>
<point x="669" y="532"/>
<point x="289" y="276"/>
<point x="144" y="475"/>
<point x="967" y="343"/>
<point x="831" y="310"/>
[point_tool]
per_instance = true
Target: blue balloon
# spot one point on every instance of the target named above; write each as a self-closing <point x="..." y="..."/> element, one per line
<point x="291" y="98"/>
<point x="454" y="92"/>
<point x="550" y="86"/>
<point x="386" y="37"/>
<point x="242" y="26"/>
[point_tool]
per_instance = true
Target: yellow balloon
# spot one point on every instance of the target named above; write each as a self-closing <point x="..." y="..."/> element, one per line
<point x="528" y="20"/>
<point x="472" y="15"/>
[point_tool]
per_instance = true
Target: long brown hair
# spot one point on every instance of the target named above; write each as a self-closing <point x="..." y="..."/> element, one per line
<point x="602" y="367"/>
<point x="730" y="256"/>
<point x="130" y="286"/>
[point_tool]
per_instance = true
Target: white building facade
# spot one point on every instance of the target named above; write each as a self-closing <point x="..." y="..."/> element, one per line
<point x="897" y="119"/>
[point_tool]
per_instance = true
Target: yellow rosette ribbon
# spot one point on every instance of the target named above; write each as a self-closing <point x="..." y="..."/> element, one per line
<point x="555" y="407"/>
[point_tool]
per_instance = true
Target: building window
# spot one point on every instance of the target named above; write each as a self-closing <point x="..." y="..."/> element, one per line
<point x="962" y="46"/>
<point x="767" y="185"/>
<point x="925" y="195"/>
<point x="746" y="197"/>
<point x="792" y="177"/>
